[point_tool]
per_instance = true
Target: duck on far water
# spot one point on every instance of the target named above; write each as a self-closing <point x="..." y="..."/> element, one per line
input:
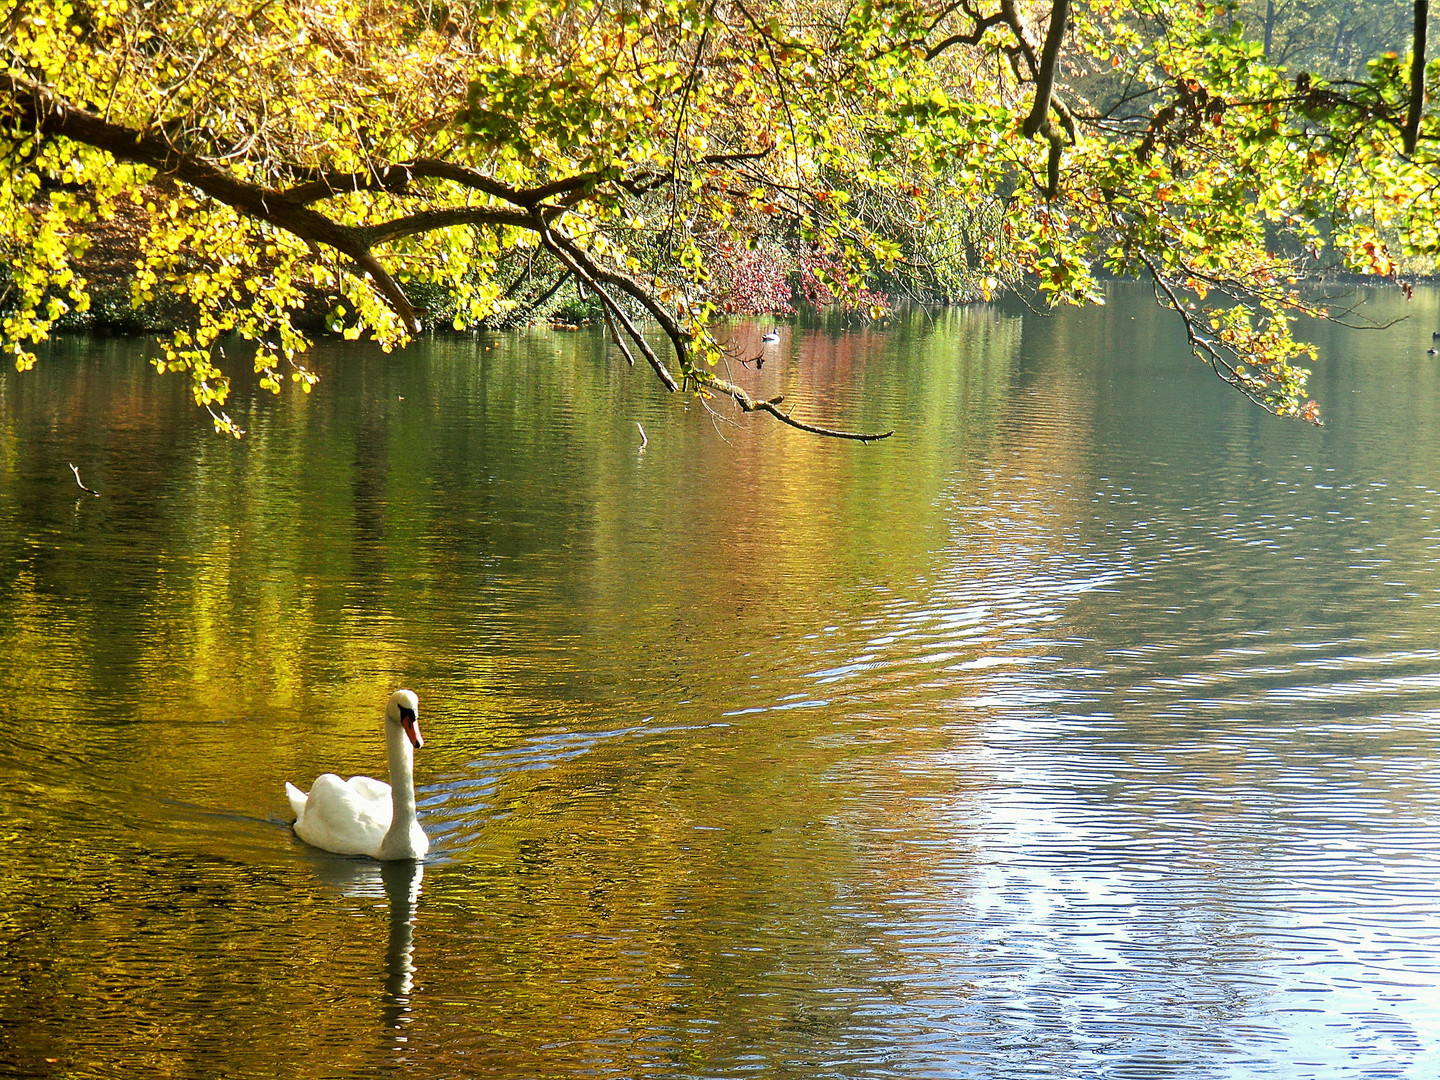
<point x="773" y="335"/>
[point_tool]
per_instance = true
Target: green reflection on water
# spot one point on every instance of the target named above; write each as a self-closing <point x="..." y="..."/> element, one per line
<point x="747" y="752"/>
<point x="473" y="518"/>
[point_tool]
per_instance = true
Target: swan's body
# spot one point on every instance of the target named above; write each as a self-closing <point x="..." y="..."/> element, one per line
<point x="361" y="816"/>
<point x="773" y="335"/>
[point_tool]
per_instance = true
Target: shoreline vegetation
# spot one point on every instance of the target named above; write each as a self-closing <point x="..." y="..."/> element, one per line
<point x="110" y="264"/>
<point x="375" y="171"/>
<point x="112" y="260"/>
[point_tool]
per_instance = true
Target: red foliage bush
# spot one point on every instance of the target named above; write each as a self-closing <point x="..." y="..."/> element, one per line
<point x="754" y="282"/>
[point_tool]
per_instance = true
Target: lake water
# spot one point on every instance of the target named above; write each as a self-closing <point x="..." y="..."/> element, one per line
<point x="1086" y="728"/>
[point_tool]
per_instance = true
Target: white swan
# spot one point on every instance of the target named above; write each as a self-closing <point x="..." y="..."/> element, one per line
<point x="361" y="816"/>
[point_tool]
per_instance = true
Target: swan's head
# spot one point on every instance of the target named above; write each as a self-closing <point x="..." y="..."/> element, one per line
<point x="404" y="711"/>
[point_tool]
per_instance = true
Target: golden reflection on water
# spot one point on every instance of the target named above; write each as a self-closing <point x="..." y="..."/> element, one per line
<point x="752" y="752"/>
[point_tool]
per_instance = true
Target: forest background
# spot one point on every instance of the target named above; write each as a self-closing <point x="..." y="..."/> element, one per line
<point x="265" y="170"/>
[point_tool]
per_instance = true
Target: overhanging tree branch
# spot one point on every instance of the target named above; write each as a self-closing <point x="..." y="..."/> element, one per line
<point x="396" y="179"/>
<point x="973" y="37"/>
<point x="35" y="109"/>
<point x="1045" y="70"/>
<point x="572" y="259"/>
<point x="32" y="108"/>
<point x="424" y="221"/>
<point x="1212" y="351"/>
<point x="1417" y="76"/>
<point x="772" y="406"/>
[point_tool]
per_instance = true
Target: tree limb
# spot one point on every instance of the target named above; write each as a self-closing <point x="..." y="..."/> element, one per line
<point x="1417" y="76"/>
<point x="1049" y="59"/>
<point x="396" y="179"/>
<point x="772" y="406"/>
<point x="972" y="38"/>
<point x="582" y="268"/>
<point x="429" y="220"/>
<point x="1023" y="44"/>
<point x="679" y="337"/>
<point x="36" y="109"/>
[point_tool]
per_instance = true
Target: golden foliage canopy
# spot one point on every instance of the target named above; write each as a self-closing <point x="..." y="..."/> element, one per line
<point x="369" y="151"/>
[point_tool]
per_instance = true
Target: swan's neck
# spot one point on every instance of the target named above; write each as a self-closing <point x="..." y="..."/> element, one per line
<point x="402" y="788"/>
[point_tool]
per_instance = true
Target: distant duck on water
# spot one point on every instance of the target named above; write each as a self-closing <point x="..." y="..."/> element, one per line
<point x="774" y="335"/>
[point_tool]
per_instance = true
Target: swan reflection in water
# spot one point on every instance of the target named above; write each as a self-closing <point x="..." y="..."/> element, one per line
<point x="399" y="883"/>
<point x="402" y="889"/>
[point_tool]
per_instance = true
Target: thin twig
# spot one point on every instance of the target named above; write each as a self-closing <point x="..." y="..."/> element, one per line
<point x="92" y="491"/>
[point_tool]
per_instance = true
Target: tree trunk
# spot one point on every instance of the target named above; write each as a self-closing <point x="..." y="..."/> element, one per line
<point x="1417" y="76"/>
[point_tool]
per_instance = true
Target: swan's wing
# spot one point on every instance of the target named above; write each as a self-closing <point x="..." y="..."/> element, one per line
<point x="297" y="799"/>
<point x="371" y="790"/>
<point x="346" y="817"/>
